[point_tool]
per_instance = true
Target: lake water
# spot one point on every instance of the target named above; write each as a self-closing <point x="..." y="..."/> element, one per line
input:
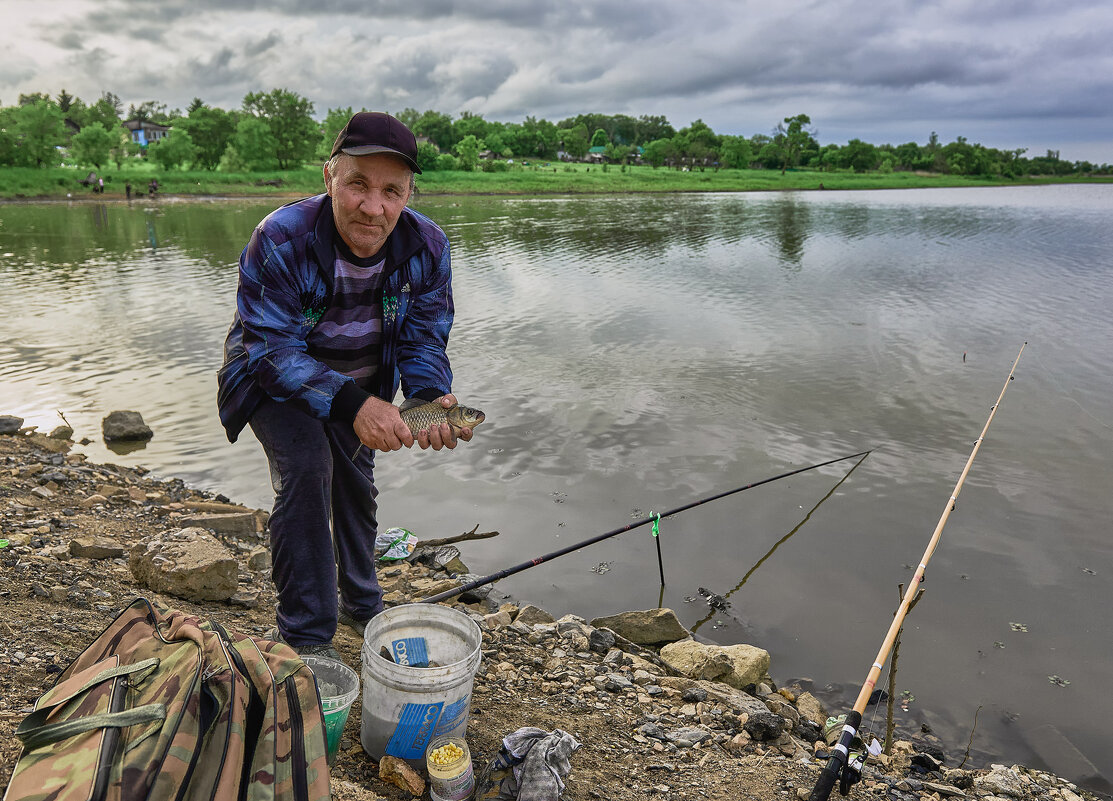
<point x="634" y="354"/>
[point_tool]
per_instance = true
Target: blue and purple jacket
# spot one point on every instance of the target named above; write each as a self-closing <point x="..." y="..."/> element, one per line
<point x="286" y="278"/>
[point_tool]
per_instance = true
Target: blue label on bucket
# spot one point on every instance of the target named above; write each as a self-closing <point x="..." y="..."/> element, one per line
<point x="415" y="729"/>
<point x="410" y="651"/>
<point x="453" y="715"/>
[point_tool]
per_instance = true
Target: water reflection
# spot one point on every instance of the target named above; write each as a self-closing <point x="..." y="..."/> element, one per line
<point x="636" y="352"/>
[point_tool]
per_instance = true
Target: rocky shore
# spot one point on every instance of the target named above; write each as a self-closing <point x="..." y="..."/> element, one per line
<point x="657" y="714"/>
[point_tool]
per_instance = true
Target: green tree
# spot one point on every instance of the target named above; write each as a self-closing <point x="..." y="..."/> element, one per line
<point x="650" y="128"/>
<point x="600" y="138"/>
<point x="409" y="117"/>
<point x="470" y="125"/>
<point x="796" y="135"/>
<point x="575" y="141"/>
<point x="39" y="132"/>
<point x="437" y="127"/>
<point x="253" y="147"/>
<point x="290" y="119"/>
<point x="106" y="111"/>
<point x="467" y="150"/>
<point x="34" y="97"/>
<point x="735" y="152"/>
<point x="65" y="100"/>
<point x="149" y="111"/>
<point x="335" y="120"/>
<point x="659" y="152"/>
<point x="427" y="155"/>
<point x="173" y="150"/>
<point x="859" y="156"/>
<point x="93" y="144"/>
<point x="210" y="130"/>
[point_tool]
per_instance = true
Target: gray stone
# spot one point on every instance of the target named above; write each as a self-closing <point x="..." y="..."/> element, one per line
<point x="62" y="432"/>
<point x="259" y="559"/>
<point x="10" y="424"/>
<point x="653" y="731"/>
<point x="694" y="695"/>
<point x="690" y="734"/>
<point x="531" y="615"/>
<point x="125" y="426"/>
<point x="476" y="595"/>
<point x="696" y="660"/>
<point x="188" y="563"/>
<point x="95" y="548"/>
<point x="235" y="524"/>
<point x="601" y="640"/>
<point x="945" y="790"/>
<point x="750" y="665"/>
<point x="1000" y="781"/>
<point x="811" y="708"/>
<point x="764" y="726"/>
<point x="616" y="683"/>
<point x="649" y="627"/>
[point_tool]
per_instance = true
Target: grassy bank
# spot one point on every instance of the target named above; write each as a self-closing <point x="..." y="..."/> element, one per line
<point x="556" y="178"/>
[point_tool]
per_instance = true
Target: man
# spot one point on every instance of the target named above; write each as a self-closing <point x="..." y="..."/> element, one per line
<point x="342" y="297"/>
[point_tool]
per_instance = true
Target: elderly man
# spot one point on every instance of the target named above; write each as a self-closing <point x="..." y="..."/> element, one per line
<point x="341" y="298"/>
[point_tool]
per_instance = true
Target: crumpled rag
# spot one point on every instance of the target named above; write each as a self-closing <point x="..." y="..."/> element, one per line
<point x="531" y="766"/>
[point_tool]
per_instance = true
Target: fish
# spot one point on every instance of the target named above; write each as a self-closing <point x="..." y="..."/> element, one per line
<point x="419" y="418"/>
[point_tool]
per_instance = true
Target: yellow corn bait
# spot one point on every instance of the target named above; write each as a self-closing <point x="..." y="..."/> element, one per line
<point x="450" y="771"/>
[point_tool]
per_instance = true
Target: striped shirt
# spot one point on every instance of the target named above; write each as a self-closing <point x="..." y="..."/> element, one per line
<point x="348" y="337"/>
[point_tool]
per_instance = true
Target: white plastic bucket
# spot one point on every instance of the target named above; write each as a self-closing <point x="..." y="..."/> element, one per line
<point x="405" y="707"/>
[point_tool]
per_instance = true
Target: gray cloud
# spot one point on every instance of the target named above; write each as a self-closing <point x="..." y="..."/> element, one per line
<point x="969" y="67"/>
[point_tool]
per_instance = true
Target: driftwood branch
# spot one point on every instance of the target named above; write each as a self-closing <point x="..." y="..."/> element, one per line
<point x="893" y="676"/>
<point x="467" y="535"/>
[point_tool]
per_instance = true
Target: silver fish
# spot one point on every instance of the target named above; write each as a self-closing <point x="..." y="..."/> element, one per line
<point x="419" y="418"/>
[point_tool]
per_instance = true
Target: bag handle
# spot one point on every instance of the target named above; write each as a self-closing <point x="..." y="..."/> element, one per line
<point x="34" y="734"/>
<point x="61" y="693"/>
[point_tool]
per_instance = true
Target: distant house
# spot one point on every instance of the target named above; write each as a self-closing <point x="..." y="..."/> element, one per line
<point x="596" y="155"/>
<point x="143" y="132"/>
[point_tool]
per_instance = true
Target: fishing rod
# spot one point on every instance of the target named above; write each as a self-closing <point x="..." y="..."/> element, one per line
<point x="781" y="542"/>
<point x="840" y="761"/>
<point x="653" y="518"/>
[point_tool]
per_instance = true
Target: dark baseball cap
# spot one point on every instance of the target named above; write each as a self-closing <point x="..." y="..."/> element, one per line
<point x="377" y="132"/>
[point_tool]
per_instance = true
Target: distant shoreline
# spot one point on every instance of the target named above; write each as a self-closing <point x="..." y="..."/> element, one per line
<point x="61" y="184"/>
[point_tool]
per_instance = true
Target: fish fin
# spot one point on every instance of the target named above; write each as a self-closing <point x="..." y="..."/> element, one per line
<point x="411" y="403"/>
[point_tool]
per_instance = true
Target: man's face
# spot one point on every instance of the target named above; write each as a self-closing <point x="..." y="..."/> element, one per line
<point x="368" y="195"/>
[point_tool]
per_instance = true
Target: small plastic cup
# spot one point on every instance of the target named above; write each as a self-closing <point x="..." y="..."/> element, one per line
<point x="338" y="686"/>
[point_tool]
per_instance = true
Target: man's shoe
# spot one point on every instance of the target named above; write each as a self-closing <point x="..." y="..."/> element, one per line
<point x="320" y="649"/>
<point x="358" y="626"/>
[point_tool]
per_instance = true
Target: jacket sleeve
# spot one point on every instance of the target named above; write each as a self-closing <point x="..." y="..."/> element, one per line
<point x="422" y="358"/>
<point x="275" y="327"/>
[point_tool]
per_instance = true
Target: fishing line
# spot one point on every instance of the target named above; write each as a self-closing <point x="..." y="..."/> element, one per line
<point x="509" y="571"/>
<point x="1064" y="393"/>
<point x="841" y="762"/>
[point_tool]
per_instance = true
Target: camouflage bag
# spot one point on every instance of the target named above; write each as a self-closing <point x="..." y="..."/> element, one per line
<point x="163" y="705"/>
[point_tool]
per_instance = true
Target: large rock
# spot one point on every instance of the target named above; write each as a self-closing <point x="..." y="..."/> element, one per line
<point x="235" y="524"/>
<point x="188" y="563"/>
<point x="651" y="627"/>
<point x="749" y="665"/>
<point x="741" y="702"/>
<point x="125" y="427"/>
<point x="10" y="424"/>
<point x="696" y="660"/>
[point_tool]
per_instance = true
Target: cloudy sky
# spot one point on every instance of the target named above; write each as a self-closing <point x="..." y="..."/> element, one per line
<point x="1006" y="73"/>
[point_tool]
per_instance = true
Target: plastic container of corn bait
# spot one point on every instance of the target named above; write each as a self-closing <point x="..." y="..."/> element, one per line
<point x="450" y="772"/>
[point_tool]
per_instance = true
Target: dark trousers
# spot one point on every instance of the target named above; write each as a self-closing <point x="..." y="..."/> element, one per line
<point x="319" y="471"/>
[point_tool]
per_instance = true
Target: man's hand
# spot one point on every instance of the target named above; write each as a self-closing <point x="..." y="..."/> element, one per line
<point x="437" y="437"/>
<point x="379" y="426"/>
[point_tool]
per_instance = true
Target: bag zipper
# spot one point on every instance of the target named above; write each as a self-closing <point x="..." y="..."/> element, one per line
<point x="297" y="748"/>
<point x="111" y="740"/>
